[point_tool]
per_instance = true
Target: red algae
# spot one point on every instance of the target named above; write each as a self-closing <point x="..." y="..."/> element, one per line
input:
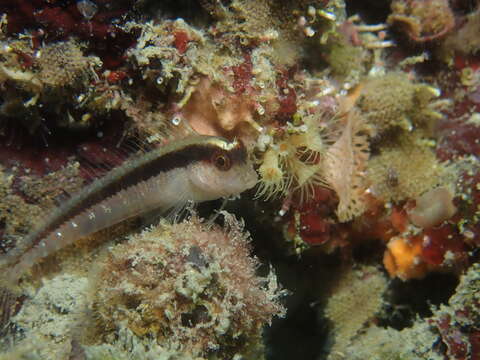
<point x="444" y="245"/>
<point x="458" y="139"/>
<point x="181" y="40"/>
<point x="453" y="337"/>
<point x="314" y="226"/>
<point x="474" y="340"/>
<point x="287" y="97"/>
<point x="116" y="76"/>
<point x="60" y="22"/>
<point x="56" y="20"/>
<point x="243" y="75"/>
<point x="399" y="219"/>
<point x="313" y="229"/>
<point x="29" y="159"/>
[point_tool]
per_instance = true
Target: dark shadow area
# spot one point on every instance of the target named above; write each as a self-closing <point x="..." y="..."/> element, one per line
<point x="463" y="7"/>
<point x="416" y="297"/>
<point x="297" y="336"/>
<point x="371" y="11"/>
<point x="300" y="335"/>
<point x="189" y="10"/>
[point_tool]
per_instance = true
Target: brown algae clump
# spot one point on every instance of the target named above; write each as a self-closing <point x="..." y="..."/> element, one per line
<point x="190" y="286"/>
<point x="406" y="170"/>
<point x="63" y="65"/>
<point x="394" y="101"/>
<point x="347" y="61"/>
<point x="423" y="20"/>
<point x="356" y="299"/>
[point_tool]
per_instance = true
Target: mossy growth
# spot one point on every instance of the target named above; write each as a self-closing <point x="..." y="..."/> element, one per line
<point x="356" y="299"/>
<point x="406" y="168"/>
<point x="394" y="101"/>
<point x="15" y="213"/>
<point x="347" y="61"/>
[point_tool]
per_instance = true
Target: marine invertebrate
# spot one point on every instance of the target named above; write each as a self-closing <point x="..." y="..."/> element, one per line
<point x="190" y="286"/>
<point x="58" y="77"/>
<point x="174" y="45"/>
<point x="129" y="347"/>
<point x="412" y="253"/>
<point x="343" y="59"/>
<point x="422" y="20"/>
<point x="196" y="168"/>
<point x="299" y="159"/>
<point x="406" y="169"/>
<point x="433" y="207"/>
<point x="464" y="40"/>
<point x="394" y="101"/>
<point x="345" y="164"/>
<point x="403" y="258"/>
<point x="63" y="65"/>
<point x="16" y="215"/>
<point x="212" y="110"/>
<point x="352" y="48"/>
<point x="272" y="179"/>
<point x="279" y="22"/>
<point x="292" y="160"/>
<point x="56" y="66"/>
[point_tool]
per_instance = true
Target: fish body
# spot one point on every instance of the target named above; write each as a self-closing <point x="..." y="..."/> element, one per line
<point x="197" y="168"/>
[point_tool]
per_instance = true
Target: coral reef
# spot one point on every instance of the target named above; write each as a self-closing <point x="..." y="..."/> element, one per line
<point x="362" y="121"/>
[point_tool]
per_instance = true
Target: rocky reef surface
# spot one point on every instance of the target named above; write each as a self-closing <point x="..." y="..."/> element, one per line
<point x="361" y="239"/>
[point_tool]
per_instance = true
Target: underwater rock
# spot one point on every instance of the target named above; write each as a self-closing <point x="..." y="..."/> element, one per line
<point x="191" y="286"/>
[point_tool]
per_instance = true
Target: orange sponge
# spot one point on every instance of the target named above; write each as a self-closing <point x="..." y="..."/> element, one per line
<point x="403" y="258"/>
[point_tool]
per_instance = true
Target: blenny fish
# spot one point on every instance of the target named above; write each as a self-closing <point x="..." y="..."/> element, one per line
<point x="197" y="168"/>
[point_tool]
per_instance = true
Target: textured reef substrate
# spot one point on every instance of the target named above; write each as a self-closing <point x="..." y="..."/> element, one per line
<point x="362" y="119"/>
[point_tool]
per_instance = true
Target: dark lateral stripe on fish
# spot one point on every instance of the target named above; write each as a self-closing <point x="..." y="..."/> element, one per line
<point x="151" y="164"/>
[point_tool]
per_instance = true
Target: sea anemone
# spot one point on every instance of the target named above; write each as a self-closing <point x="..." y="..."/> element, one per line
<point x="273" y="181"/>
<point x="292" y="162"/>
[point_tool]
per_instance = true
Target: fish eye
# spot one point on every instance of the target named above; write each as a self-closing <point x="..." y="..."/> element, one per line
<point x="222" y="161"/>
